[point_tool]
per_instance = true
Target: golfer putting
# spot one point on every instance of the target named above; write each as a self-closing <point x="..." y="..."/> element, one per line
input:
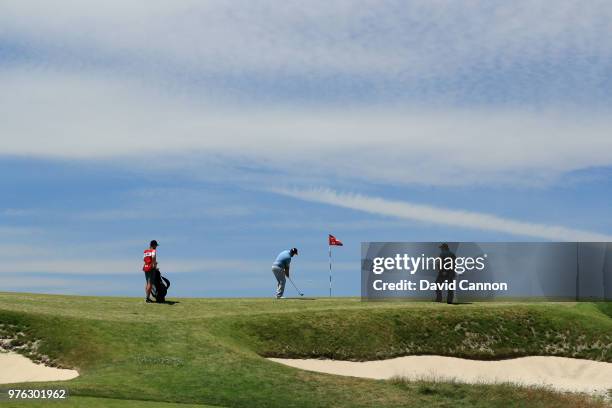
<point x="280" y="269"/>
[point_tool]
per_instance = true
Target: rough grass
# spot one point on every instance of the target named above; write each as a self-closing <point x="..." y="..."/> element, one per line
<point x="209" y="351"/>
<point x="470" y="331"/>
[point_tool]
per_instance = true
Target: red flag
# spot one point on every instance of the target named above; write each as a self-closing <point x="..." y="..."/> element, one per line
<point x="333" y="241"/>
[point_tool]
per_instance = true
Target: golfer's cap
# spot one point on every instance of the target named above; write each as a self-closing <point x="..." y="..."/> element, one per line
<point x="294" y="251"/>
<point x="153" y="243"/>
<point x="443" y="246"/>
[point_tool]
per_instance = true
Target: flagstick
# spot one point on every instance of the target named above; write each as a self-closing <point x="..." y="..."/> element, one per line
<point x="330" y="271"/>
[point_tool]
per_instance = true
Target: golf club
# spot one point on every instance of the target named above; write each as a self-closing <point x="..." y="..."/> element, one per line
<point x="296" y="288"/>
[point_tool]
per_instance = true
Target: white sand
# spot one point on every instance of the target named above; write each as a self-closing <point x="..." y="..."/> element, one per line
<point x="559" y="373"/>
<point x="15" y="368"/>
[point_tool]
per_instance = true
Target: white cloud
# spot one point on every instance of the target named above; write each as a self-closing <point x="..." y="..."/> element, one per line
<point x="173" y="213"/>
<point x="85" y="266"/>
<point x="14" y="251"/>
<point x="115" y="120"/>
<point x="411" y="38"/>
<point x="56" y="104"/>
<point x="12" y="232"/>
<point x="443" y="216"/>
<point x="69" y="266"/>
<point x="15" y="212"/>
<point x="82" y="286"/>
<point x="33" y="283"/>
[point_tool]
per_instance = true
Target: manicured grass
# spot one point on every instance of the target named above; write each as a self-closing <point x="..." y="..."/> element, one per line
<point x="209" y="351"/>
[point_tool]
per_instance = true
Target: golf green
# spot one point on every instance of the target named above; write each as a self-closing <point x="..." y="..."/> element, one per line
<point x="210" y="352"/>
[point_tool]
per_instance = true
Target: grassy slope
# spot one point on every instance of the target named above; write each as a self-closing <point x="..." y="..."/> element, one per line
<point x="480" y="332"/>
<point x="208" y="351"/>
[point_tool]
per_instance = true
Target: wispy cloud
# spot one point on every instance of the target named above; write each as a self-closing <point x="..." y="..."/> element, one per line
<point x="443" y="147"/>
<point x="407" y="39"/>
<point x="444" y="216"/>
<point x="17" y="231"/>
<point x="89" y="266"/>
<point x="249" y="94"/>
<point x="15" y="212"/>
<point x="77" y="285"/>
<point x="129" y="90"/>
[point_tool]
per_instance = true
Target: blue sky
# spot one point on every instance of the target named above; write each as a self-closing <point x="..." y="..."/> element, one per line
<point x="231" y="131"/>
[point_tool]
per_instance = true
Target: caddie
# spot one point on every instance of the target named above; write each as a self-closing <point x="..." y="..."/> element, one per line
<point x="150" y="268"/>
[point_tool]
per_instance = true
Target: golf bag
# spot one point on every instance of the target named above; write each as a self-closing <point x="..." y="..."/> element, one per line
<point x="160" y="286"/>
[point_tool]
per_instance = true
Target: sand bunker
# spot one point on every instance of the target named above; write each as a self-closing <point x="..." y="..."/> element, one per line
<point x="17" y="368"/>
<point x="559" y="373"/>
